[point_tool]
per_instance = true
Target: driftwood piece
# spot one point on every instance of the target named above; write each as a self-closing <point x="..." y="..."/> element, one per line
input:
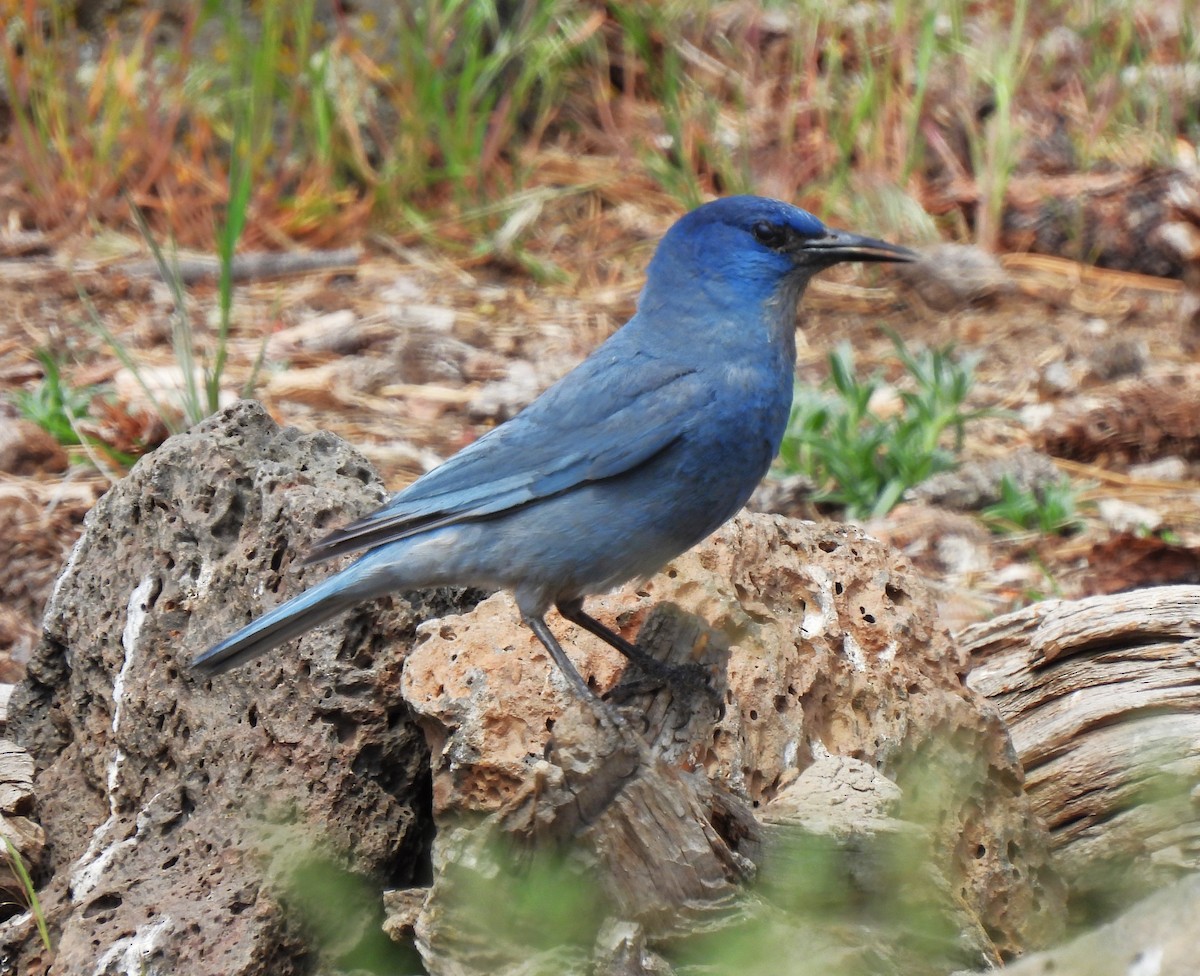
<point x="661" y="847"/>
<point x="249" y="267"/>
<point x="1102" y="698"/>
<point x="23" y="242"/>
<point x="16" y="799"/>
<point x="16" y="778"/>
<point x="191" y="268"/>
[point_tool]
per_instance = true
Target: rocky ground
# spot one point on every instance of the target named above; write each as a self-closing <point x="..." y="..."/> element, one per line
<point x="1083" y="373"/>
<point x="935" y="743"/>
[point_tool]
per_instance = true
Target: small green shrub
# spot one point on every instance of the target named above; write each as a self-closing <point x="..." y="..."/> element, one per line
<point x="1050" y="510"/>
<point x="865" y="462"/>
<point x="55" y="405"/>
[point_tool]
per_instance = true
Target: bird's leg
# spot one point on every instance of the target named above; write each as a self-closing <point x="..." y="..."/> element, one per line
<point x="538" y="625"/>
<point x="687" y="676"/>
<point x="572" y="610"/>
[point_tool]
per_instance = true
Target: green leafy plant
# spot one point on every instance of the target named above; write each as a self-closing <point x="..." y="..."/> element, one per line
<point x="62" y="410"/>
<point x="1050" y="510"/>
<point x="864" y="461"/>
<point x="55" y="405"/>
<point x="200" y="386"/>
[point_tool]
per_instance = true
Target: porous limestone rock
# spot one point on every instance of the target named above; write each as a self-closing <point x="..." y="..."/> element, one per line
<point x="163" y="792"/>
<point x="820" y="641"/>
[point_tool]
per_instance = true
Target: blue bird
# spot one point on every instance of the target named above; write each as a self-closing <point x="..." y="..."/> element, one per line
<point x="636" y="455"/>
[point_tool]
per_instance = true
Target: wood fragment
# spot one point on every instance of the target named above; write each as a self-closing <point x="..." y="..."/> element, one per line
<point x="1102" y="697"/>
<point x="665" y="849"/>
<point x="249" y="267"/>
<point x="24" y="242"/>
<point x="16" y="775"/>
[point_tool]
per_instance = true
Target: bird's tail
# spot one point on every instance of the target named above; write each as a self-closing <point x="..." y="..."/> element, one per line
<point x="312" y="607"/>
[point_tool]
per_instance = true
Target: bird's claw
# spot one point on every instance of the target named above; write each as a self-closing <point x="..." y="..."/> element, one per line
<point x="649" y="675"/>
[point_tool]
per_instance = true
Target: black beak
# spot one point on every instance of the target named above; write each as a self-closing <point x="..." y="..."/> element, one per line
<point x="840" y="245"/>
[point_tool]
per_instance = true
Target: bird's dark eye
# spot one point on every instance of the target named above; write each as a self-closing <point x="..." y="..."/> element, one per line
<point x="769" y="235"/>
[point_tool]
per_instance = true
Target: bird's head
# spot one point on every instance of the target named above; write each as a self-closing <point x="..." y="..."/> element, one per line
<point x="752" y="248"/>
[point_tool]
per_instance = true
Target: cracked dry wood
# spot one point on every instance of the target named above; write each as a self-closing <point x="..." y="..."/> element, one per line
<point x="1102" y="697"/>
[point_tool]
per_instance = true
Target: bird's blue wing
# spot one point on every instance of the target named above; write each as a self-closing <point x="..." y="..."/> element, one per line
<point x="607" y="418"/>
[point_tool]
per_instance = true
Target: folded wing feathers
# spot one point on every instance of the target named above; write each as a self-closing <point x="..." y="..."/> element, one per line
<point x="459" y="495"/>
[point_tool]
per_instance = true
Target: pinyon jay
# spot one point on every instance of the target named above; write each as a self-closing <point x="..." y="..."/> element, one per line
<point x="633" y="457"/>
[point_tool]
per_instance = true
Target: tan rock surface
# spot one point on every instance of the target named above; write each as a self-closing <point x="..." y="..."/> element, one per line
<point x="820" y="642"/>
<point x="518" y="827"/>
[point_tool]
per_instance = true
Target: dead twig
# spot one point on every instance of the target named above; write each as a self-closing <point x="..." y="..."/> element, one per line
<point x="252" y="267"/>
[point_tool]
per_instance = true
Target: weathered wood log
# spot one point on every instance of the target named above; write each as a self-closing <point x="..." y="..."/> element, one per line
<point x="26" y="838"/>
<point x="1102" y="698"/>
<point x="661" y="847"/>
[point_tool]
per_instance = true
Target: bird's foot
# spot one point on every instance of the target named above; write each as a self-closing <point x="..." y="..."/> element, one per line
<point x="647" y="675"/>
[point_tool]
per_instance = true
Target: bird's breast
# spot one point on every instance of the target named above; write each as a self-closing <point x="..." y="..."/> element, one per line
<point x="760" y="395"/>
<point x="739" y="430"/>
